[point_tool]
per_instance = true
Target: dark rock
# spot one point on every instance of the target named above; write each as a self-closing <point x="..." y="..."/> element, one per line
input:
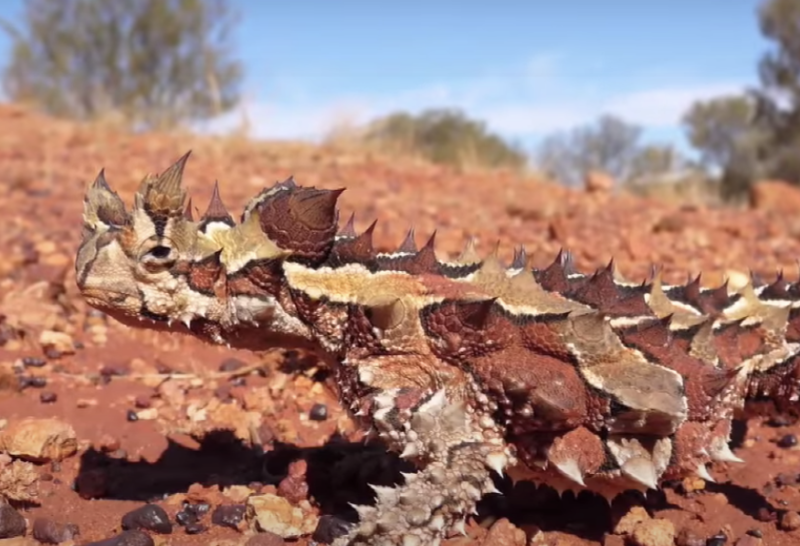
<point x="319" y="412"/>
<point x="329" y="528"/>
<point x="48" y="397"/>
<point x="12" y="523"/>
<point x="150" y="517"/>
<point x="228" y="515"/>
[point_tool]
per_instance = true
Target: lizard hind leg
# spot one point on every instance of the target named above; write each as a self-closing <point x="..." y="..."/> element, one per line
<point x="456" y="451"/>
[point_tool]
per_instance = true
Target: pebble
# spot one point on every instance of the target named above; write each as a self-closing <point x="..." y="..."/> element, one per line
<point x="126" y="538"/>
<point x="33" y="381"/>
<point x="231" y="365"/>
<point x="48" y="531"/>
<point x="790" y="521"/>
<point x="142" y="401"/>
<point x="56" y="344"/>
<point x="228" y="515"/>
<point x="12" y="523"/>
<point x="150" y="517"/>
<point x="717" y="540"/>
<point x="39" y="440"/>
<point x="319" y="412"/>
<point x="654" y="532"/>
<point x="33" y="362"/>
<point x="277" y="515"/>
<point x="48" y="397"/>
<point x="789" y="440"/>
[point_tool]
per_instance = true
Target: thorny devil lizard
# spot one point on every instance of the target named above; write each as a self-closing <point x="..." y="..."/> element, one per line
<point x="466" y="368"/>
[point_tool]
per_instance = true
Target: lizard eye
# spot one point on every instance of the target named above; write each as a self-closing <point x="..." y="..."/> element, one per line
<point x="157" y="254"/>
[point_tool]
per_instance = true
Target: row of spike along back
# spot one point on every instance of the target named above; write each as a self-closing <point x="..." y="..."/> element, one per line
<point x="752" y="331"/>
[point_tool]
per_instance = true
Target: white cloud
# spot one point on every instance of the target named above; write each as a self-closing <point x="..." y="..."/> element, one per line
<point x="527" y="101"/>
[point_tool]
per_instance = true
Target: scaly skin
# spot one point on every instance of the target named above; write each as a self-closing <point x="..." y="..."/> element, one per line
<point x="467" y="368"/>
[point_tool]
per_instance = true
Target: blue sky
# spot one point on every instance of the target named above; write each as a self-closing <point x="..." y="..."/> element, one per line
<point x="525" y="67"/>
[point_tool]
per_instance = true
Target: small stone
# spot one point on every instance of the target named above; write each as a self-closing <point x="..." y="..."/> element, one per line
<point x="39" y="440"/>
<point x="48" y="397"/>
<point x="132" y="416"/>
<point x="148" y="414"/>
<point x="33" y="362"/>
<point x="150" y="517"/>
<point x="231" y="365"/>
<point x="329" y="528"/>
<point x="142" y="401"/>
<point x="48" y="531"/>
<point x="717" y="540"/>
<point x="654" y="532"/>
<point x="126" y="538"/>
<point x="790" y="521"/>
<point x="228" y="515"/>
<point x="56" y="343"/>
<point x="34" y="382"/>
<point x="275" y="514"/>
<point x="788" y="440"/>
<point x="319" y="412"/>
<point x="12" y="523"/>
<point x="627" y="523"/>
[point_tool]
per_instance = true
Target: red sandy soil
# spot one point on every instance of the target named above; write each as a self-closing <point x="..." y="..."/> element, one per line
<point x="212" y="430"/>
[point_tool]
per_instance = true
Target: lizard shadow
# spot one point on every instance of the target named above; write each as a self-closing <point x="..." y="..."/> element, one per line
<point x="333" y="476"/>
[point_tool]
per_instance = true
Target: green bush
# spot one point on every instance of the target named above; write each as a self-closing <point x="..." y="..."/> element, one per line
<point x="445" y="136"/>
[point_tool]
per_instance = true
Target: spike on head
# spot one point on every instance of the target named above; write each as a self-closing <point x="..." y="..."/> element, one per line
<point x="187" y="212"/>
<point x="102" y="205"/>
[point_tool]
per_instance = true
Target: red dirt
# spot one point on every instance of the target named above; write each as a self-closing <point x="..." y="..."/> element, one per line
<point x="46" y="165"/>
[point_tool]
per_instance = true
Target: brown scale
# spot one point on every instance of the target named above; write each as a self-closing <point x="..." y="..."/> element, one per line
<point x="202" y="276"/>
<point x="778" y="385"/>
<point x="307" y="309"/>
<point x="359" y="336"/>
<point x="735" y="343"/>
<point x="301" y="220"/>
<point x="257" y="279"/>
<point x="535" y="391"/>
<point x="702" y="382"/>
<point x="464" y="327"/>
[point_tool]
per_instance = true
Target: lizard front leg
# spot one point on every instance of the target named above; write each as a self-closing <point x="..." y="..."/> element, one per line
<point x="456" y="448"/>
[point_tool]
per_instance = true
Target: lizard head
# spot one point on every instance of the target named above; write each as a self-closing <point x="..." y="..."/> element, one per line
<point x="156" y="267"/>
